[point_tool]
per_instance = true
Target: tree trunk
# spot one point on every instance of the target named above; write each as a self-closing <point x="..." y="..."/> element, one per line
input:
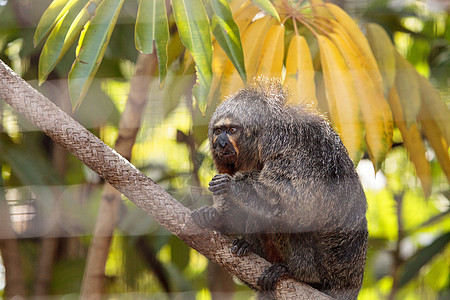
<point x="45" y="265"/>
<point x="140" y="189"/>
<point x="9" y="247"/>
<point x="94" y="275"/>
<point x="49" y="244"/>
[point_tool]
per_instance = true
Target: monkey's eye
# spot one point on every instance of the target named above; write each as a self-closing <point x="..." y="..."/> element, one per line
<point x="233" y="130"/>
<point x="217" y="131"/>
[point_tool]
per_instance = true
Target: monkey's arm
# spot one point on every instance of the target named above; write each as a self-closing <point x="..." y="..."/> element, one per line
<point x="247" y="197"/>
<point x="236" y="200"/>
<point x="275" y="196"/>
<point x="224" y="216"/>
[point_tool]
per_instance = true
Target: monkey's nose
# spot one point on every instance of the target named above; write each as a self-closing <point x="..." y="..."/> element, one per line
<point x="223" y="140"/>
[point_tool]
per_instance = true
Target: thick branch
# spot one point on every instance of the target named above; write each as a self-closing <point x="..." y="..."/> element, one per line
<point x="136" y="186"/>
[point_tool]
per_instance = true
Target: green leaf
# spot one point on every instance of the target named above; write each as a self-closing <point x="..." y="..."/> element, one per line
<point x="193" y="26"/>
<point x="179" y="252"/>
<point x="408" y="89"/>
<point x="86" y="14"/>
<point x="152" y="25"/>
<point x="177" y="85"/>
<point x="268" y="7"/>
<point x="49" y="18"/>
<point x="91" y="48"/>
<point x="227" y="34"/>
<point x="67" y="273"/>
<point x="30" y="167"/>
<point x="422" y="257"/>
<point x="57" y="43"/>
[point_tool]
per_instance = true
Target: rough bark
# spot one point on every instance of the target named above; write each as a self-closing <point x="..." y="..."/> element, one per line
<point x="94" y="275"/>
<point x="140" y="189"/>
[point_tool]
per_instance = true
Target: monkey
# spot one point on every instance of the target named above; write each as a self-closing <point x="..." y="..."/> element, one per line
<point x="288" y="189"/>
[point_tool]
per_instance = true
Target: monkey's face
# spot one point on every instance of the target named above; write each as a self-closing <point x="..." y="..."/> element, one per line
<point x="224" y="145"/>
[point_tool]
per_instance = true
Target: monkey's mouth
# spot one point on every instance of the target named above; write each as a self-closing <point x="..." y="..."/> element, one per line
<point x="227" y="155"/>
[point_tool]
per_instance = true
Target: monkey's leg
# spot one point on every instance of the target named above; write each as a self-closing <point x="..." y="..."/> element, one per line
<point x="269" y="278"/>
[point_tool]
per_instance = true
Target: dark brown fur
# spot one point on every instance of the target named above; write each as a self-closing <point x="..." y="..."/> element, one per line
<point x="290" y="191"/>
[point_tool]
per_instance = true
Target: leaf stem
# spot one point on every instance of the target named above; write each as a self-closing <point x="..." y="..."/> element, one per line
<point x="308" y="24"/>
<point x="294" y="20"/>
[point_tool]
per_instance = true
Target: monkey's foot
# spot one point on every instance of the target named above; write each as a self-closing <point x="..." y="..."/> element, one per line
<point x="268" y="280"/>
<point x="220" y="184"/>
<point x="240" y="247"/>
<point x="206" y="217"/>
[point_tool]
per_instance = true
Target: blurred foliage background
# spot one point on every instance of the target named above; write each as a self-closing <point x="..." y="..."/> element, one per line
<point x="47" y="197"/>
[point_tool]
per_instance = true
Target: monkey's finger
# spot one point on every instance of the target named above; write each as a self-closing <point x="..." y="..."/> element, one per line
<point x="219" y="182"/>
<point x="221" y="177"/>
<point x="218" y="190"/>
<point x="235" y="241"/>
<point x="240" y="248"/>
<point x="243" y="250"/>
<point x="219" y="185"/>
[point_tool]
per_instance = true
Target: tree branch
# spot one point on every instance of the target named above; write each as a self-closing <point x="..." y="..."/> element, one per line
<point x="140" y="189"/>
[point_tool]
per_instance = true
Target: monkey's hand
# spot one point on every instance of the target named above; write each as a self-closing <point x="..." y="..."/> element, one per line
<point x="206" y="217"/>
<point x="240" y="247"/>
<point x="220" y="184"/>
<point x="269" y="278"/>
